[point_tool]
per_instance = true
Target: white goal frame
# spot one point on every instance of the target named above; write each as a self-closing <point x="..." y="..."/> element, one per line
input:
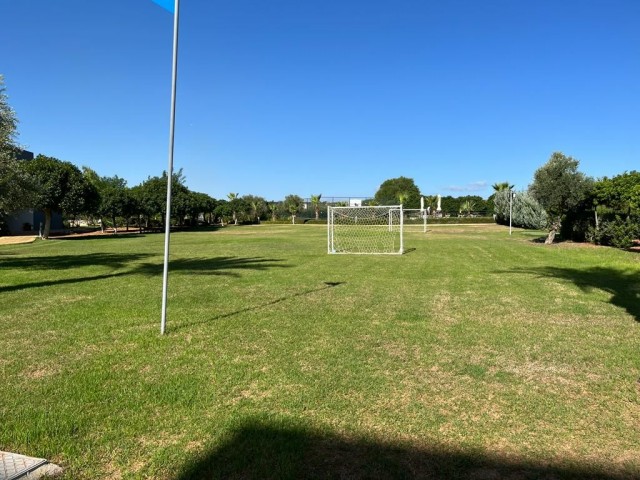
<point x="365" y="230"/>
<point x="423" y="216"/>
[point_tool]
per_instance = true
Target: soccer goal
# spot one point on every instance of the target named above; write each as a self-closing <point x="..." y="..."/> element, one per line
<point x="373" y="230"/>
<point x="415" y="220"/>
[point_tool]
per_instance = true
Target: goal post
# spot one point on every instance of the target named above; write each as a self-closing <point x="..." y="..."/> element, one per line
<point x="415" y="219"/>
<point x="372" y="230"/>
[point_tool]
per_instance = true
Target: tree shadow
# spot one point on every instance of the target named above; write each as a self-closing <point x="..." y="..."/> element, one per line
<point x="258" y="450"/>
<point x="65" y="262"/>
<point x="624" y="287"/>
<point x="327" y="285"/>
<point x="228" y="266"/>
<point x="210" y="265"/>
<point x="98" y="236"/>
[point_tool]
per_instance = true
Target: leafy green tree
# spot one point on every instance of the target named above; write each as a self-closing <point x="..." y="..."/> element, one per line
<point x="274" y="208"/>
<point x="293" y="203"/>
<point x="450" y="205"/>
<point x="315" y="201"/>
<point x="114" y="196"/>
<point x="201" y="204"/>
<point x="256" y="205"/>
<point x="151" y="198"/>
<point x="389" y="192"/>
<point x="16" y="187"/>
<point x="620" y="193"/>
<point x="559" y="187"/>
<point x="223" y="211"/>
<point x="60" y="187"/>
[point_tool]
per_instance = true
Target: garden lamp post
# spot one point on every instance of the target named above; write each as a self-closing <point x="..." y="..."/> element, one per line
<point x="512" y="194"/>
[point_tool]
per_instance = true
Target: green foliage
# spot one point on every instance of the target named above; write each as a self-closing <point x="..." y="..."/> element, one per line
<point x="60" y="187"/>
<point x="618" y="232"/>
<point x="620" y="193"/>
<point x="8" y="122"/>
<point x="526" y="211"/>
<point x="256" y="207"/>
<point x="315" y="201"/>
<point x="502" y="186"/>
<point x="16" y="187"/>
<point x="393" y="190"/>
<point x="292" y="204"/>
<point x="559" y="187"/>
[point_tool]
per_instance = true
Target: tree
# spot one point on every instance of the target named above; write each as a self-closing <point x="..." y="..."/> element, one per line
<point x="274" y="208"/>
<point x="315" y="201"/>
<point x="502" y="186"/>
<point x="151" y="197"/>
<point x="256" y="205"/>
<point x="114" y="196"/>
<point x="559" y="187"/>
<point x="16" y="187"/>
<point x="390" y="190"/>
<point x="60" y="186"/>
<point x="201" y="204"/>
<point x="293" y="203"/>
<point x="466" y="207"/>
<point x="526" y="212"/>
<point x="233" y="197"/>
<point x="620" y="193"/>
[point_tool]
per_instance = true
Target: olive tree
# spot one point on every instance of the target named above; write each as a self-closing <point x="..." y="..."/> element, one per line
<point x="559" y="187"/>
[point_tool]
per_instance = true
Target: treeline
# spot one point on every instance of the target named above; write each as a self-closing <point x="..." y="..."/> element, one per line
<point x="576" y="207"/>
<point x="51" y="185"/>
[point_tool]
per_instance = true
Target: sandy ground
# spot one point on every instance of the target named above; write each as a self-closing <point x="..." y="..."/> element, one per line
<point x="17" y="239"/>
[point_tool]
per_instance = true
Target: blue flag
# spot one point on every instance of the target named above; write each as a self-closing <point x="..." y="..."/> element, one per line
<point x="166" y="4"/>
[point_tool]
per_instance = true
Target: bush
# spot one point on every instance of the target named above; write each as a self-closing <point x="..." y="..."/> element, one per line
<point x="280" y="221"/>
<point x="452" y="220"/>
<point x="616" y="233"/>
<point x="526" y="211"/>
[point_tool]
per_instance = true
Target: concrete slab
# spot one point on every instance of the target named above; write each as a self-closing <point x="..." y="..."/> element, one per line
<point x="14" y="467"/>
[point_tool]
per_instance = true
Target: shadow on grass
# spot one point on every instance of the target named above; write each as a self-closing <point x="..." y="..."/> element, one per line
<point x="261" y="451"/>
<point x="194" y="266"/>
<point x="211" y="265"/>
<point x="65" y="262"/>
<point x="624" y="287"/>
<point x="101" y="236"/>
<point x="284" y="298"/>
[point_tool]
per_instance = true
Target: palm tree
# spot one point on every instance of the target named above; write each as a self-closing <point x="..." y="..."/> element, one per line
<point x="467" y="207"/>
<point x="273" y="209"/>
<point x="315" y="201"/>
<point x="502" y="186"/>
<point x="256" y="206"/>
<point x="402" y="197"/>
<point x="233" y="196"/>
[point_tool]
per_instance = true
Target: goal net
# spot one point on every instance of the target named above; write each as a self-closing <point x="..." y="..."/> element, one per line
<point x="365" y="230"/>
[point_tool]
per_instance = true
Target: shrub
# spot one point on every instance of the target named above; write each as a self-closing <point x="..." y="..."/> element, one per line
<point x="526" y="211"/>
<point x="617" y="233"/>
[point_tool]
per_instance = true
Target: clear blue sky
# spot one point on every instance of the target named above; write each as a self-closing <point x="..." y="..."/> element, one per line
<point x="332" y="96"/>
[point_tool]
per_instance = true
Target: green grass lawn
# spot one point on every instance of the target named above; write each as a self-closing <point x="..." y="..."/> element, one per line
<point x="475" y="355"/>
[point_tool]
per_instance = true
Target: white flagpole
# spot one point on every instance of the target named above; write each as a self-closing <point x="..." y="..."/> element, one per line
<point x="167" y="232"/>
